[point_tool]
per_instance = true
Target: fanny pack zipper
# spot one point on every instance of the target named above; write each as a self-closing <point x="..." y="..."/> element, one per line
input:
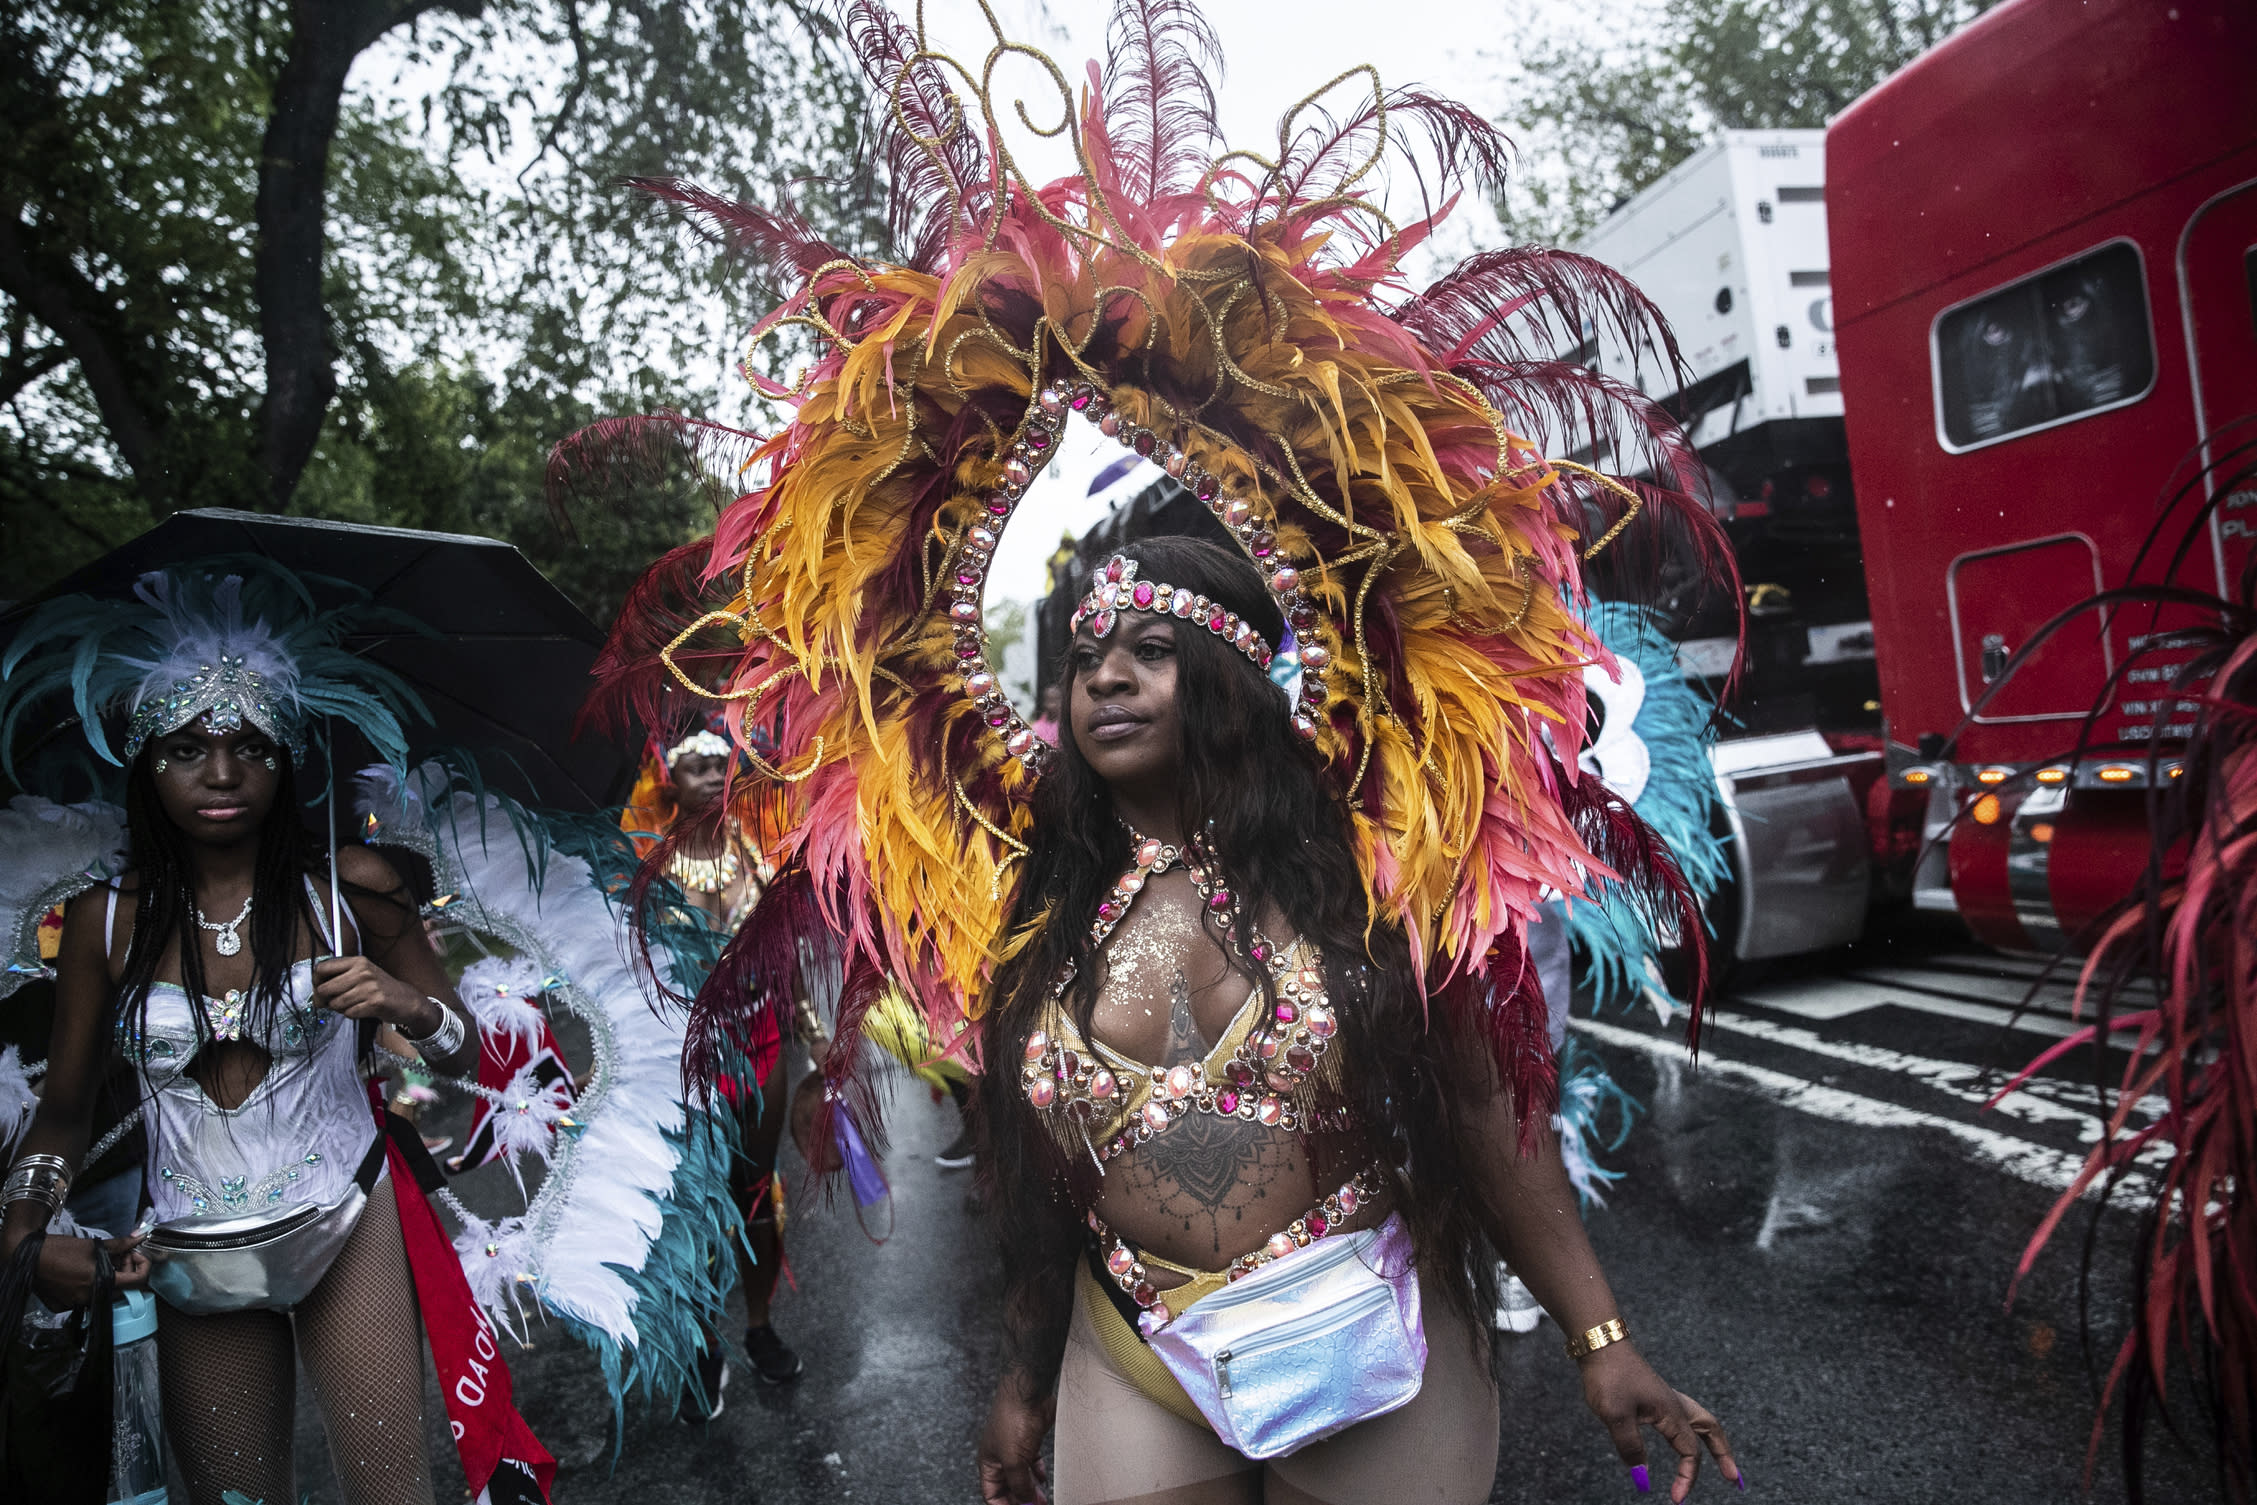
<point x="1326" y="1253"/>
<point x="1302" y="1329"/>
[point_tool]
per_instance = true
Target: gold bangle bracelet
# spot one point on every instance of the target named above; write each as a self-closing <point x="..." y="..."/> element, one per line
<point x="1596" y="1338"/>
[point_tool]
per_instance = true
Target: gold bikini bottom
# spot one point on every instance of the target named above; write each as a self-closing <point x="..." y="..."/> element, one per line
<point x="1127" y="1352"/>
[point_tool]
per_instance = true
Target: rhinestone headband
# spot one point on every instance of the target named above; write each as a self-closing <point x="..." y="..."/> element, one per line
<point x="223" y="696"/>
<point x="1115" y="589"/>
<point x="698" y="744"/>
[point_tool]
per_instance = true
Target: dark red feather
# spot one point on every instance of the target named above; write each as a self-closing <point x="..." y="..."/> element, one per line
<point x="1161" y="60"/>
<point x="932" y="187"/>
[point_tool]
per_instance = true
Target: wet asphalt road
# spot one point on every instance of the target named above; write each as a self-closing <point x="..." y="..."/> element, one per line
<point x="1814" y="1237"/>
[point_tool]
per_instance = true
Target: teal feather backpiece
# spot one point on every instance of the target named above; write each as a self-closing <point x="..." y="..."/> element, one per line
<point x="228" y="639"/>
<point x="1660" y="761"/>
<point x="1675" y="723"/>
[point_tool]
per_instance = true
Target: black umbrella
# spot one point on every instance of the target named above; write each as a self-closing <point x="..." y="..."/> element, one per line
<point x="503" y="678"/>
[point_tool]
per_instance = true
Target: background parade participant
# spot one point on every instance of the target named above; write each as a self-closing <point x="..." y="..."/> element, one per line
<point x="709" y="822"/>
<point x="243" y="973"/>
<point x="1650" y="747"/>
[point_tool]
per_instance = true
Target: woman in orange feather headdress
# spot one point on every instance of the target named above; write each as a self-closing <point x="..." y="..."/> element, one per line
<point x="1244" y="971"/>
<point x="715" y="824"/>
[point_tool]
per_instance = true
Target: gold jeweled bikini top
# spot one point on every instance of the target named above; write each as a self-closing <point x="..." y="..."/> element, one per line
<point x="1263" y="1069"/>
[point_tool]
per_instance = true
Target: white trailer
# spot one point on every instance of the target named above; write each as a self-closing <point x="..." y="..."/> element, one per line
<point x="1731" y="245"/>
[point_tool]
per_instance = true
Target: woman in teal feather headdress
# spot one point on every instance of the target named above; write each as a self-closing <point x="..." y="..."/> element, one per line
<point x="241" y="971"/>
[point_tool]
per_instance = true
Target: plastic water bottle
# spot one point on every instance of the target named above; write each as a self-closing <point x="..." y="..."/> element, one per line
<point x="137" y="1457"/>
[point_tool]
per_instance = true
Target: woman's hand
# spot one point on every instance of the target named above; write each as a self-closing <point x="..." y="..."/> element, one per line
<point x="1011" y="1471"/>
<point x="1623" y="1391"/>
<point x="65" y="1278"/>
<point x="822" y="1158"/>
<point x="357" y="988"/>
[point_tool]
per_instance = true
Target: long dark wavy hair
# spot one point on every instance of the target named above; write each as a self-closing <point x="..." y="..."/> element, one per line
<point x="1256" y="792"/>
<point x="164" y="913"/>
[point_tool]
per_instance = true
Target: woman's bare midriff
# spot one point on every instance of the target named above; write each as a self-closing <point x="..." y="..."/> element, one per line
<point x="1211" y="1189"/>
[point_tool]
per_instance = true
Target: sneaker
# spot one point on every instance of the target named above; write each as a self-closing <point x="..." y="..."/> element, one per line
<point x="713" y="1376"/>
<point x="1517" y="1308"/>
<point x="772" y="1358"/>
<point x="958" y="1155"/>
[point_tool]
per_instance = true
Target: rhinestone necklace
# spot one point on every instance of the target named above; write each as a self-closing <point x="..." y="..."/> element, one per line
<point x="229" y="943"/>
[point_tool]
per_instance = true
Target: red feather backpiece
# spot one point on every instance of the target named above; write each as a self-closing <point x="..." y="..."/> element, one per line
<point x="2187" y="940"/>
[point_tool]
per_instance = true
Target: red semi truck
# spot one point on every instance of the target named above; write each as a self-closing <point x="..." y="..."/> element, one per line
<point x="2043" y="243"/>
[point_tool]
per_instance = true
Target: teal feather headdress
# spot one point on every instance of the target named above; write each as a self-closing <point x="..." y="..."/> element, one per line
<point x="227" y="641"/>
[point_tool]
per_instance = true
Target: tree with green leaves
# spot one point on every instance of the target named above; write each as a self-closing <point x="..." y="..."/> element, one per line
<point x="368" y="259"/>
<point x="1601" y="120"/>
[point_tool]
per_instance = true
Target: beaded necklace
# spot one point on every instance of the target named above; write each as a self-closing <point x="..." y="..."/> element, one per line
<point x="1258" y="1082"/>
<point x="709" y="875"/>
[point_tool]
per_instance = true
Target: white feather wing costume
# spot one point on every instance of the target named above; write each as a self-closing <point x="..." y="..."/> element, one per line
<point x="53" y="853"/>
<point x="625" y="1240"/>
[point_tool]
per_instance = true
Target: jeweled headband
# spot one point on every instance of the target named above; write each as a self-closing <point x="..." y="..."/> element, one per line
<point x="229" y="641"/>
<point x="1114" y="589"/>
<point x="224" y="695"/>
<point x="701" y="743"/>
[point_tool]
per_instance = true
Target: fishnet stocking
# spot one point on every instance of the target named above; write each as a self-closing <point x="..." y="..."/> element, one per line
<point x="229" y="1399"/>
<point x="228" y="1384"/>
<point x="361" y="1336"/>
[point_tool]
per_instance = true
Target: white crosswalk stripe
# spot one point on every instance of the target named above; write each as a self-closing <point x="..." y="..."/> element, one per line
<point x="2040" y="1165"/>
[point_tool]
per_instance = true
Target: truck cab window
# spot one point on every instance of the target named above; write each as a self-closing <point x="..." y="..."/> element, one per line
<point x="2073" y="340"/>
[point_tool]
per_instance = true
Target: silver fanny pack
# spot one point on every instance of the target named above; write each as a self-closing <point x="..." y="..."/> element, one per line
<point x="1306" y="1346"/>
<point x="256" y="1261"/>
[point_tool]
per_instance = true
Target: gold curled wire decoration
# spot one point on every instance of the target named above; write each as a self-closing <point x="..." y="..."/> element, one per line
<point x="1070" y="128"/>
<point x="815" y="319"/>
<point x="1361" y="205"/>
<point x="1637" y="502"/>
<point x="784" y="776"/>
<point x="1285" y="133"/>
<point x="1013" y="848"/>
<point x="745" y="633"/>
<point x="1223" y="358"/>
<point x="1525" y="567"/>
<point x="1106" y="290"/>
<point x="843" y="263"/>
<point x="1007" y="166"/>
<point x="981" y="331"/>
<point x="750" y="627"/>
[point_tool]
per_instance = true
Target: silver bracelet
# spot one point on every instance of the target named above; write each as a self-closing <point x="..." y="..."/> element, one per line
<point x="445" y="1039"/>
<point x="44" y="1179"/>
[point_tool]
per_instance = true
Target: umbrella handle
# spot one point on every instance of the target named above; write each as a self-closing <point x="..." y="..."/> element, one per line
<point x="336" y="902"/>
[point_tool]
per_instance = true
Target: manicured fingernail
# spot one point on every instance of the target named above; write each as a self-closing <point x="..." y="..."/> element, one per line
<point x="1639" y="1477"/>
<point x="1742" y="1481"/>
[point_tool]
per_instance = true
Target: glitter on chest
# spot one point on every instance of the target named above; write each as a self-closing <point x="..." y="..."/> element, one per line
<point x="1111" y="1105"/>
<point x="1160" y="941"/>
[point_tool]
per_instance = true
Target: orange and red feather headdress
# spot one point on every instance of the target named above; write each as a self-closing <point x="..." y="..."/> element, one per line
<point x="1246" y="315"/>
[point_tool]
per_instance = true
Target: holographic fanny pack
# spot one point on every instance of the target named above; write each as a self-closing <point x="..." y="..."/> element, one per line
<point x="1306" y="1346"/>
